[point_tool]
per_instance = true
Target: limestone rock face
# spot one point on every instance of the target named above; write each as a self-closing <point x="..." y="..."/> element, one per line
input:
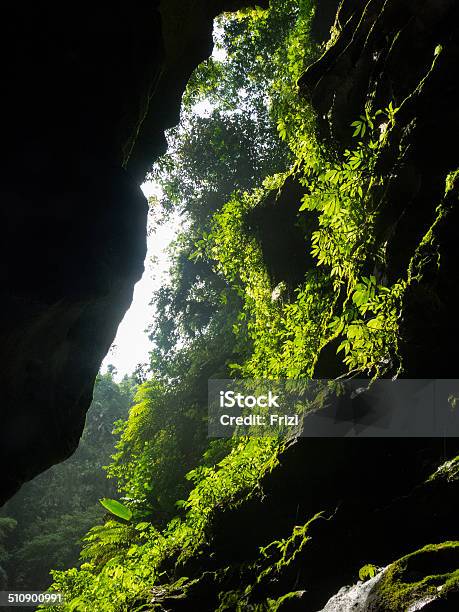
<point x="404" y="53"/>
<point x="87" y="90"/>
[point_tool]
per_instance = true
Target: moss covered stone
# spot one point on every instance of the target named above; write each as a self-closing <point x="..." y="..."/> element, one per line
<point x="427" y="574"/>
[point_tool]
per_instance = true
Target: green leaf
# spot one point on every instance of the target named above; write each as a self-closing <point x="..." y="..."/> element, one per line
<point x="116" y="508"/>
<point x="76" y="605"/>
<point x="375" y="324"/>
<point x="305" y="202"/>
<point x="142" y="526"/>
<point x="367" y="571"/>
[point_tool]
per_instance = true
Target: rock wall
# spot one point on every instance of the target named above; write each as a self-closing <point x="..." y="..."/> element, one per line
<point x="404" y="53"/>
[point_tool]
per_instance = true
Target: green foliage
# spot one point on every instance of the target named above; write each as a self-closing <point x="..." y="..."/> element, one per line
<point x="117" y="508"/>
<point x="165" y="435"/>
<point x="337" y="298"/>
<point x="368" y="571"/>
<point x="54" y="542"/>
<point x="273" y="560"/>
<point x="55" y="510"/>
<point x="285" y="336"/>
<point x="345" y="193"/>
<point x="125" y="560"/>
<point x="232" y="144"/>
<point x="286" y="550"/>
<point x="7" y="525"/>
<point x="235" y="601"/>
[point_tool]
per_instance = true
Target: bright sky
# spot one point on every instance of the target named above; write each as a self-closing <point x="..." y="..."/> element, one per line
<point x="131" y="345"/>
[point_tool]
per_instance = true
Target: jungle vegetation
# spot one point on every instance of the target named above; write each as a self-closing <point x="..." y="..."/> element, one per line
<point x="42" y="525"/>
<point x="245" y="137"/>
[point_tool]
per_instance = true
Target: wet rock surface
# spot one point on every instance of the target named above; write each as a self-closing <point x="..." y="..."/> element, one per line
<point x="353" y="598"/>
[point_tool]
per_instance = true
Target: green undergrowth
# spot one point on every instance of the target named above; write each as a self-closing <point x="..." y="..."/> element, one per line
<point x="268" y="568"/>
<point x="124" y="560"/>
<point x="339" y="298"/>
<point x="431" y="572"/>
<point x="252" y="578"/>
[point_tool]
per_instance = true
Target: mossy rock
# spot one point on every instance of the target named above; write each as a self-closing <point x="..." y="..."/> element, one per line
<point x="448" y="471"/>
<point x="428" y="577"/>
